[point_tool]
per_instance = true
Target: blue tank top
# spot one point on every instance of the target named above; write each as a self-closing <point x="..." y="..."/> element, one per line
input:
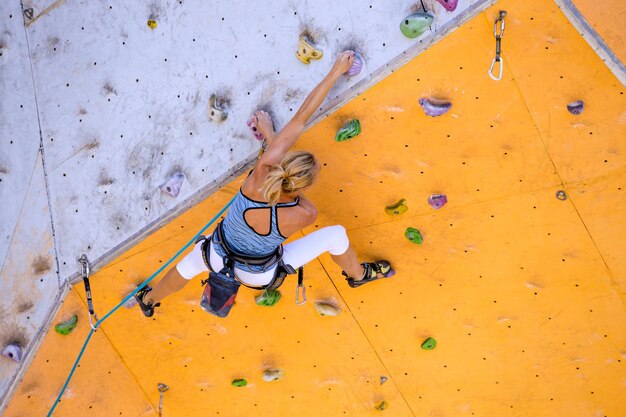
<point x="242" y="237"/>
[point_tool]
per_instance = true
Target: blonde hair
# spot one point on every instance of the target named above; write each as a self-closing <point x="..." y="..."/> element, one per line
<point x="296" y="171"/>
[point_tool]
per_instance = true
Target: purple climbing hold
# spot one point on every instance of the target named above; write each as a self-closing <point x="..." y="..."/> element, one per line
<point x="434" y="107"/>
<point x="437" y="201"/>
<point x="13" y="351"/>
<point x="357" y="65"/>
<point x="252" y="125"/>
<point x="576" y="107"/>
<point x="449" y="5"/>
<point x="173" y="184"/>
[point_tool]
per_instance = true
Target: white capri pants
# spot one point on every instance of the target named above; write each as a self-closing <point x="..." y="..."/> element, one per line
<point x="332" y="239"/>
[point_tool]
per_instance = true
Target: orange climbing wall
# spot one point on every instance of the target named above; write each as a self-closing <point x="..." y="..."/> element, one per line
<point x="523" y="293"/>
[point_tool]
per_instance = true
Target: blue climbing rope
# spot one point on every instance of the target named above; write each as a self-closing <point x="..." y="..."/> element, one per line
<point x="128" y="297"/>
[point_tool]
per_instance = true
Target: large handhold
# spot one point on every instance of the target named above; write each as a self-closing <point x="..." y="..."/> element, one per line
<point x="173" y="184"/>
<point x="576" y="107"/>
<point x="434" y="107"/>
<point x="397" y="208"/>
<point x="66" y="327"/>
<point x="13" y="351"/>
<point x="414" y="235"/>
<point x="437" y="201"/>
<point x="306" y="51"/>
<point x="415" y="24"/>
<point x="348" y="131"/>
<point x="217" y="109"/>
<point x="357" y="65"/>
<point x="449" y="5"/>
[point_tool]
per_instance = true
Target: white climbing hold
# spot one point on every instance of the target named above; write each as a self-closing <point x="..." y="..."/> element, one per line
<point x="13" y="351"/>
<point x="173" y="184"/>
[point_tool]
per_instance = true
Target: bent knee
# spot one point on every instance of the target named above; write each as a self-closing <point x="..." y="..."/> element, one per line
<point x="339" y="238"/>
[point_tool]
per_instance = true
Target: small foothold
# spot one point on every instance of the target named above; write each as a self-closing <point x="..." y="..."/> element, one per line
<point x="415" y="24"/>
<point x="433" y="107"/>
<point x="381" y="405"/>
<point x="217" y="111"/>
<point x="429" y="344"/>
<point x="152" y="24"/>
<point x="383" y="379"/>
<point x="348" y="131"/>
<point x="252" y="125"/>
<point x="576" y="107"/>
<point x="162" y="387"/>
<point x="13" y="351"/>
<point x="173" y="184"/>
<point x="326" y="309"/>
<point x="306" y="51"/>
<point x="397" y="208"/>
<point x="561" y="195"/>
<point x="67" y="326"/>
<point x="270" y="375"/>
<point x="449" y="5"/>
<point x="239" y="382"/>
<point x="268" y="298"/>
<point x="437" y="201"/>
<point x="414" y="235"/>
<point x="357" y="65"/>
<point x="29" y="13"/>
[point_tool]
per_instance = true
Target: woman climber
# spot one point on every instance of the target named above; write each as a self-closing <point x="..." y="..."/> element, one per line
<point x="269" y="207"/>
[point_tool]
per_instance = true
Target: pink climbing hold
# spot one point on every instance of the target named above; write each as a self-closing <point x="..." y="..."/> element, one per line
<point x="437" y="201"/>
<point x="173" y="184"/>
<point x="357" y="65"/>
<point x="252" y="125"/>
<point x="13" y="351"/>
<point x="449" y="5"/>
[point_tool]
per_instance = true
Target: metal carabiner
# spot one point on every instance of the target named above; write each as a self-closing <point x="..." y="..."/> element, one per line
<point x="85" y="270"/>
<point x="298" y="288"/>
<point x="500" y="19"/>
<point x="493" y="63"/>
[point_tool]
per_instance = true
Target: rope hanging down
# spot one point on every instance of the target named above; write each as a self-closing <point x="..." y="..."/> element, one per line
<point x="95" y="326"/>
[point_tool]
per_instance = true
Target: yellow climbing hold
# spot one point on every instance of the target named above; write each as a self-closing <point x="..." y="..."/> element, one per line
<point x="381" y="405"/>
<point x="397" y="208"/>
<point x="306" y="51"/>
<point x="152" y="24"/>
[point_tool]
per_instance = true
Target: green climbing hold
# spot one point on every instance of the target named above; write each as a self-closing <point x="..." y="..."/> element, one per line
<point x="429" y="344"/>
<point x="268" y="298"/>
<point x="348" y="131"/>
<point x="415" y="24"/>
<point x="414" y="235"/>
<point x="239" y="382"/>
<point x="67" y="326"/>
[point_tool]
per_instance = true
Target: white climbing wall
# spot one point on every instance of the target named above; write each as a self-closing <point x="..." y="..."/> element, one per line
<point x="121" y="107"/>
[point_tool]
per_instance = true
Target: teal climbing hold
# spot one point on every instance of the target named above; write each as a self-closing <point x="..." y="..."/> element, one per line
<point x="348" y="131"/>
<point x="415" y="24"/>
<point x="268" y="298"/>
<point x="239" y="382"/>
<point x="67" y="326"/>
<point x="414" y="235"/>
<point x="429" y="344"/>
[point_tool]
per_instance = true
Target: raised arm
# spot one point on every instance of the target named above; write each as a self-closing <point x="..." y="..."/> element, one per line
<point x="285" y="139"/>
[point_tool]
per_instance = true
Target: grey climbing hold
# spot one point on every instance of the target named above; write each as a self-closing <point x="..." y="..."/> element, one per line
<point x="172" y="185"/>
<point x="270" y="375"/>
<point x="217" y="109"/>
<point x="13" y="351"/>
<point x="433" y="107"/>
<point x="326" y="309"/>
<point x="576" y="107"/>
<point x="415" y="24"/>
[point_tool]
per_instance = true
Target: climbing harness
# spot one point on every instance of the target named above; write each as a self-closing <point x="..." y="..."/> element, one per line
<point x="162" y="388"/>
<point x="84" y="262"/>
<point x="498" y="36"/>
<point x="126" y="299"/>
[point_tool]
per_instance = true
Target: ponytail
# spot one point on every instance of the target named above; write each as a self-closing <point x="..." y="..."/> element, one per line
<point x="296" y="171"/>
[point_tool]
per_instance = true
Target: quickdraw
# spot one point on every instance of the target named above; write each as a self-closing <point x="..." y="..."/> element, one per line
<point x="300" y="289"/>
<point x="498" y="36"/>
<point x="84" y="262"/>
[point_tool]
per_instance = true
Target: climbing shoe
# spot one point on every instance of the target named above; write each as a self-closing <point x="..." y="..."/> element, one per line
<point x="372" y="269"/>
<point x="146" y="308"/>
